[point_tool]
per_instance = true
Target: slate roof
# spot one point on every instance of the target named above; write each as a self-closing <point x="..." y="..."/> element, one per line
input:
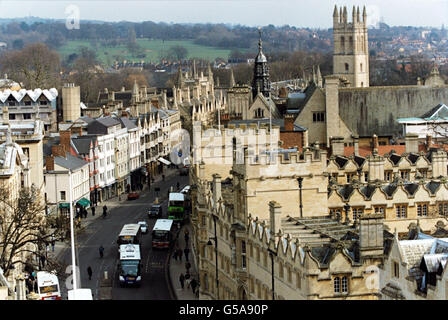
<point x="359" y="161"/>
<point x="433" y="186"/>
<point x="346" y="191"/>
<point x="413" y="158"/>
<point x="389" y="189"/>
<point x="395" y="158"/>
<point x="368" y="190"/>
<point x="82" y="145"/>
<point x="411" y="188"/>
<point x="69" y="162"/>
<point x="126" y="123"/>
<point x="341" y="161"/>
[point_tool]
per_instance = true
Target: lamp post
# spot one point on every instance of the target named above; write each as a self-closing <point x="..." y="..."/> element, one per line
<point x="72" y="231"/>
<point x="272" y="253"/>
<point x="347" y="208"/>
<point x="300" y="180"/>
<point x="209" y="243"/>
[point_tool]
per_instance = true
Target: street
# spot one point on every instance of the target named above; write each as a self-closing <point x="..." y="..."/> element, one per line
<point x="154" y="285"/>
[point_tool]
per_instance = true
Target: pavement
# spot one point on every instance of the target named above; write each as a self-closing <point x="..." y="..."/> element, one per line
<point x="177" y="266"/>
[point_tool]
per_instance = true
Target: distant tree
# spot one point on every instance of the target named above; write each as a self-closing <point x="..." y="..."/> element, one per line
<point x="55" y="39"/>
<point x="17" y="44"/>
<point x="177" y="52"/>
<point x="35" y="65"/>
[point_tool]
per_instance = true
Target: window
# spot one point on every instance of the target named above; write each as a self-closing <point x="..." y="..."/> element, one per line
<point x="404" y="174"/>
<point x="280" y="269"/>
<point x="366" y="177"/>
<point x="380" y="209"/>
<point x="343" y="43"/>
<point x="12" y="116"/>
<point x="396" y="269"/>
<point x="243" y="254"/>
<point x="443" y="208"/>
<point x="318" y="116"/>
<point x="387" y="175"/>
<point x="346" y="67"/>
<point x="340" y="284"/>
<point x="360" y="67"/>
<point x="357" y="212"/>
<point x="27" y="116"/>
<point x="265" y="259"/>
<point x="258" y="254"/>
<point x="423" y="173"/>
<point x="401" y="211"/>
<point x="62" y="195"/>
<point x="350" y="177"/>
<point x="289" y="274"/>
<point x="337" y="285"/>
<point x="43" y="103"/>
<point x="422" y="210"/>
<point x="27" y="103"/>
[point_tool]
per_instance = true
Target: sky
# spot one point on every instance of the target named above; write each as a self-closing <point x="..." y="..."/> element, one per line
<point x="299" y="13"/>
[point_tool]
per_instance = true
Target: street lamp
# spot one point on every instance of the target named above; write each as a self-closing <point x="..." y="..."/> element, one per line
<point x="72" y="231"/>
<point x="209" y="243"/>
<point x="300" y="180"/>
<point x="347" y="208"/>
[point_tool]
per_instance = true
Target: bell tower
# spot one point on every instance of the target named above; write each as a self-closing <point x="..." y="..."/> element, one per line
<point x="261" y="82"/>
<point x="351" y="49"/>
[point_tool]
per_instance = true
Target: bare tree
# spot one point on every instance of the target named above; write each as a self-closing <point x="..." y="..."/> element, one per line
<point x="36" y="66"/>
<point x="23" y="228"/>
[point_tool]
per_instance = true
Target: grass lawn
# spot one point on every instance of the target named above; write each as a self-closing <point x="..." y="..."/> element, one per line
<point x="152" y="50"/>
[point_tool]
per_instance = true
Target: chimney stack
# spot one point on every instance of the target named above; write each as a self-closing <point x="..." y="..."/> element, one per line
<point x="337" y="146"/>
<point x="216" y="188"/>
<point x="58" y="151"/>
<point x="411" y="141"/>
<point x="65" y="138"/>
<point x="375" y="144"/>
<point x="275" y="212"/>
<point x="356" y="144"/>
<point x="428" y="142"/>
<point x="371" y="235"/>
<point x="289" y="122"/>
<point x="49" y="163"/>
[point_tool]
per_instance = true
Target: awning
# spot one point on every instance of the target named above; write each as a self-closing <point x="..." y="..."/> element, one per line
<point x="164" y="161"/>
<point x="64" y="205"/>
<point x="84" y="202"/>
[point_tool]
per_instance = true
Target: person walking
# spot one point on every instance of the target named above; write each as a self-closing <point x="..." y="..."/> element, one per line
<point x="193" y="285"/>
<point x="186" y="251"/>
<point x="104" y="211"/>
<point x="89" y="272"/>
<point x="178" y="185"/>
<point x="187" y="266"/>
<point x="186" y="237"/>
<point x="187" y="280"/>
<point x="101" y="250"/>
<point x="53" y="242"/>
<point x="93" y="211"/>
<point x="182" y="280"/>
<point x="179" y="254"/>
<point x="163" y="177"/>
<point x="175" y="254"/>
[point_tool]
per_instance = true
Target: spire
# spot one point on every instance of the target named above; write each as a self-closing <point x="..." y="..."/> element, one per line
<point x="357" y="15"/>
<point x="210" y="73"/>
<point x="364" y="15"/>
<point x="335" y="16"/>
<point x="314" y="75"/>
<point x="341" y="15"/>
<point x="232" y="79"/>
<point x="135" y="88"/>
<point x="354" y="15"/>
<point x="345" y="15"/>
<point x="319" y="77"/>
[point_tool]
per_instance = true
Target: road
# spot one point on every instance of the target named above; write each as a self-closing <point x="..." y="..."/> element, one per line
<point x="104" y="232"/>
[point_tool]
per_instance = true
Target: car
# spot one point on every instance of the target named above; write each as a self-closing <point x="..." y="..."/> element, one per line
<point x="155" y="210"/>
<point x="185" y="190"/>
<point x="143" y="226"/>
<point x="184" y="171"/>
<point x="133" y="195"/>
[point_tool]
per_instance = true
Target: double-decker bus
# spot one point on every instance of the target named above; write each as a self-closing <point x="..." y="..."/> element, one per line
<point x="176" y="207"/>
<point x="162" y="233"/>
<point x="130" y="234"/>
<point x="130" y="267"/>
<point x="48" y="286"/>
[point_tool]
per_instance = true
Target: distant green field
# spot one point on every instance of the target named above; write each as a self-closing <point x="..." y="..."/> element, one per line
<point x="152" y="50"/>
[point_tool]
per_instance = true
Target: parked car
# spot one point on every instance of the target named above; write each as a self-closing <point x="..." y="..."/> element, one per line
<point x="143" y="226"/>
<point x="155" y="211"/>
<point x="133" y="195"/>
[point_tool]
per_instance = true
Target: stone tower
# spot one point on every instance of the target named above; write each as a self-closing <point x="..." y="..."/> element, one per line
<point x="351" y="50"/>
<point x="71" y="102"/>
<point x="261" y="80"/>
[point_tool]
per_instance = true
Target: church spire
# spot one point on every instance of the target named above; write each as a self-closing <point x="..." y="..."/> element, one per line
<point x="232" y="79"/>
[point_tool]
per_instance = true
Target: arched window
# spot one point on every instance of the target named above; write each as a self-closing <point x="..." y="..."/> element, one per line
<point x="360" y="66"/>
<point x="346" y="67"/>
<point x="342" y="44"/>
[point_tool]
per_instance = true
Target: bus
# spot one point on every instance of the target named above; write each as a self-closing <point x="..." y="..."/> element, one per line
<point x="130" y="234"/>
<point x="162" y="233"/>
<point x="48" y="286"/>
<point x="130" y="267"/>
<point x="176" y="206"/>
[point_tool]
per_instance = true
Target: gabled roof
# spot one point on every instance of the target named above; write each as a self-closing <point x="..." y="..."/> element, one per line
<point x="70" y="162"/>
<point x="126" y="123"/>
<point x="82" y="146"/>
<point x="439" y="111"/>
<point x="411" y="188"/>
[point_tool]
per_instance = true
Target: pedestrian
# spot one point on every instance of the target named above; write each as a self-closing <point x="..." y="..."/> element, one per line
<point x="85" y="212"/>
<point x="89" y="272"/>
<point x="163" y="177"/>
<point x="53" y="242"/>
<point x="187" y="280"/>
<point x="187" y="266"/>
<point x="181" y="280"/>
<point x="42" y="260"/>
<point x="101" y="249"/>
<point x="186" y="237"/>
<point x="104" y="211"/>
<point x="93" y="211"/>
<point x="175" y="255"/>
<point x="179" y="254"/>
<point x="186" y="251"/>
<point x="193" y="284"/>
<point x="178" y="185"/>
